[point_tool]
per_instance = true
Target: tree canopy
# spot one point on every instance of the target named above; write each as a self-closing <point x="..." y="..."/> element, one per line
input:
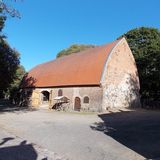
<point x="145" y="45"/>
<point x="13" y="90"/>
<point x="7" y="9"/>
<point x="9" y="62"/>
<point x="9" y="58"/>
<point x="74" y="49"/>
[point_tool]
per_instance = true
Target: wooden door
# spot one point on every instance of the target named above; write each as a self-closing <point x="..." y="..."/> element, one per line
<point x="35" y="98"/>
<point x="77" y="104"/>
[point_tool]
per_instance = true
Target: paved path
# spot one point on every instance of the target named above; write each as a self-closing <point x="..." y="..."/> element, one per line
<point x="67" y="134"/>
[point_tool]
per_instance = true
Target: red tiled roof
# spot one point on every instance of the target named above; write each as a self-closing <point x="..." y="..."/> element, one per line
<point x="83" y="68"/>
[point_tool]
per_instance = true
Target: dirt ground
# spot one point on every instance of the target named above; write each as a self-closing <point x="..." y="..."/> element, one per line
<point x="122" y="135"/>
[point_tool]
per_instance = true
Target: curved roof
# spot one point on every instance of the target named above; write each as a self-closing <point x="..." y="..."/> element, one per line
<point x="79" y="69"/>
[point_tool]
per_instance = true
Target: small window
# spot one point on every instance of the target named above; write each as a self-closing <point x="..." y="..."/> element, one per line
<point x="86" y="100"/>
<point x="60" y="92"/>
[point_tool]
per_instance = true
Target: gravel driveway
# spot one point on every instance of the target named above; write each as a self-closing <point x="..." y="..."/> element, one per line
<point x="70" y="135"/>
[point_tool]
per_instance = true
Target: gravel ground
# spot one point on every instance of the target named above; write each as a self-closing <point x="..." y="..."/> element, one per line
<point x="15" y="148"/>
<point x="69" y="135"/>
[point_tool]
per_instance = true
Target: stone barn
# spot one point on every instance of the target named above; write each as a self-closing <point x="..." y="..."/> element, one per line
<point x="96" y="79"/>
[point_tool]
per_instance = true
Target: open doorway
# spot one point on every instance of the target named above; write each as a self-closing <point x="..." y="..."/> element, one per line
<point x="45" y="97"/>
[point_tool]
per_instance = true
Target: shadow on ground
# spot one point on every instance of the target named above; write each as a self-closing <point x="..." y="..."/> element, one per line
<point x="138" y="130"/>
<point x="23" y="151"/>
<point x="6" y="106"/>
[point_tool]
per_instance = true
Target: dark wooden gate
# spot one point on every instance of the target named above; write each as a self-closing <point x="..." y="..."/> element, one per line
<point x="77" y="104"/>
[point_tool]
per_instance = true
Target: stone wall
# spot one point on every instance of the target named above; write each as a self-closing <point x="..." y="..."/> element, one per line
<point x="120" y="79"/>
<point x="94" y="94"/>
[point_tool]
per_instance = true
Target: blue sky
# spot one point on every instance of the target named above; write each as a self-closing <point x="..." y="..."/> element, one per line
<point x="48" y="26"/>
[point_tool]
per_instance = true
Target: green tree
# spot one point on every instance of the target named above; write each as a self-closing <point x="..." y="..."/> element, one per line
<point x="9" y="58"/>
<point x="13" y="90"/>
<point x="74" y="49"/>
<point x="9" y="62"/>
<point x="145" y="45"/>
